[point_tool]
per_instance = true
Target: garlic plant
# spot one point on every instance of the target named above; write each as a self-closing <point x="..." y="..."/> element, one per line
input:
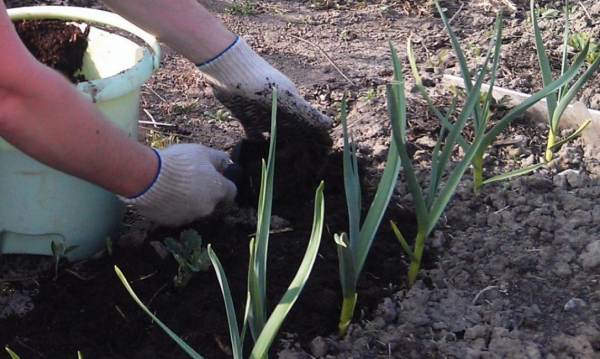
<point x="263" y="329"/>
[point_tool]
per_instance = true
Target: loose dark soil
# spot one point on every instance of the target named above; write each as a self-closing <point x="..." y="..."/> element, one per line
<point x="56" y="44"/>
<point x="512" y="273"/>
<point x="88" y="309"/>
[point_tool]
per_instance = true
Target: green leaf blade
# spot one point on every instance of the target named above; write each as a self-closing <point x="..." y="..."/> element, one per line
<point x="234" y="333"/>
<point x="272" y="326"/>
<point x="189" y="351"/>
<point x="515" y="173"/>
<point x="351" y="178"/>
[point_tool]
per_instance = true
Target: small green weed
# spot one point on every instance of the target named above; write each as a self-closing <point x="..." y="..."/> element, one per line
<point x="546" y="12"/>
<point x="109" y="246"/>
<point x="59" y="251"/>
<point x="219" y="116"/>
<point x="474" y="49"/>
<point x="241" y="8"/>
<point x="159" y="139"/>
<point x="579" y="40"/>
<point x="182" y="107"/>
<point x="369" y="96"/>
<point x="189" y="254"/>
<point x="438" y="59"/>
<point x="503" y="103"/>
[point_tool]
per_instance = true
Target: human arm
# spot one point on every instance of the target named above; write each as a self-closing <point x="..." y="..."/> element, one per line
<point x="241" y="79"/>
<point x="184" y="25"/>
<point x="46" y="117"/>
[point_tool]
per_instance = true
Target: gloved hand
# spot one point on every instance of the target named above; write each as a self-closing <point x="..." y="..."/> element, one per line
<point x="242" y="82"/>
<point x="188" y="185"/>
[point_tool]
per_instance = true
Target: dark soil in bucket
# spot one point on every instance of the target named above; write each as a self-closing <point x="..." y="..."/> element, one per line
<point x="56" y="44"/>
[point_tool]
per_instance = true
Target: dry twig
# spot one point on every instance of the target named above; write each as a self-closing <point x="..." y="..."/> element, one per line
<point x="586" y="12"/>
<point x="462" y="4"/>
<point x="483" y="291"/>
<point x="326" y="56"/>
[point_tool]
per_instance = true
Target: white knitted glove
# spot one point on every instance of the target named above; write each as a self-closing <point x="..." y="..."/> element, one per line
<point x="188" y="185"/>
<point x="242" y="82"/>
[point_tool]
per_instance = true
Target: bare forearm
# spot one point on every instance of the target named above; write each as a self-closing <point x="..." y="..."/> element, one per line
<point x="44" y="115"/>
<point x="184" y="25"/>
<point x="52" y="122"/>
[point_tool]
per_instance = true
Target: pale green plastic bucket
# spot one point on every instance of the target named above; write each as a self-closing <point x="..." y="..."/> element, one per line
<point x="39" y="205"/>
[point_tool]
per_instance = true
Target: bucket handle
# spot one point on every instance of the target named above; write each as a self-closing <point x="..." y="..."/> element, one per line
<point x="87" y="15"/>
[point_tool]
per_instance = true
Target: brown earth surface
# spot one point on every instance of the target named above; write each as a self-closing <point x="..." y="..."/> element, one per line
<point x="511" y="273"/>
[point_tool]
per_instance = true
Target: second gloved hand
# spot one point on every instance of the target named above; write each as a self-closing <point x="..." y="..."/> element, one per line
<point x="243" y="82"/>
<point x="188" y="186"/>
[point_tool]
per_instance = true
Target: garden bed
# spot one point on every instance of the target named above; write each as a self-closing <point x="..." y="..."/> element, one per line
<point x="510" y="273"/>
